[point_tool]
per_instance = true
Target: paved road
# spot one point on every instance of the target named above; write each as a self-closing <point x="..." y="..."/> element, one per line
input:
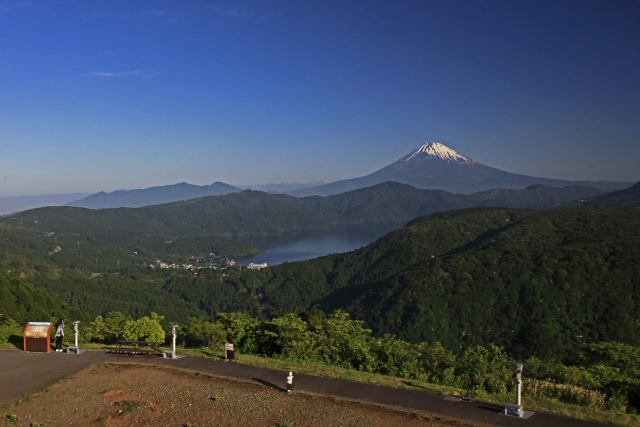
<point x="23" y="373"/>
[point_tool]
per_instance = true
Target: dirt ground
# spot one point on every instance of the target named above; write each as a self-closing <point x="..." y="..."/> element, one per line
<point x="115" y="394"/>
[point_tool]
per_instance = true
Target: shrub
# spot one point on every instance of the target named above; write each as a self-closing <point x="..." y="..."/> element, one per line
<point x="565" y="393"/>
<point x="144" y="329"/>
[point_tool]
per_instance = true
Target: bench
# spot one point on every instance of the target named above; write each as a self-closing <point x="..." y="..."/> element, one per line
<point x="136" y="348"/>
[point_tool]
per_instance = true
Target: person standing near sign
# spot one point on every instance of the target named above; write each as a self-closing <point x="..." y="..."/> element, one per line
<point x="59" y="334"/>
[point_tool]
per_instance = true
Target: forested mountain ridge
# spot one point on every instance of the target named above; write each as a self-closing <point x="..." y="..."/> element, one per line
<point x="534" y="282"/>
<point x="20" y="303"/>
<point x="533" y="197"/>
<point x="424" y="282"/>
<point x="419" y="240"/>
<point x="253" y="212"/>
<point x="627" y="198"/>
<point x="41" y="250"/>
<point x="244" y="213"/>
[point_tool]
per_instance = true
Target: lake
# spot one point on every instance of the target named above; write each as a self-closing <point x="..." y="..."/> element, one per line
<point x="303" y="246"/>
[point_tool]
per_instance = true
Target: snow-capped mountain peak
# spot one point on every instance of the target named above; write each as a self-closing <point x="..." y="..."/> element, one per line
<point x="438" y="151"/>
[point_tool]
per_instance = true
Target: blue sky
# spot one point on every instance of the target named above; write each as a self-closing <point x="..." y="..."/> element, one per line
<point x="107" y="95"/>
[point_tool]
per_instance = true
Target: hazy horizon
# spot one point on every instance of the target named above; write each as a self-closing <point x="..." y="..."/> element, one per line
<point x="104" y="97"/>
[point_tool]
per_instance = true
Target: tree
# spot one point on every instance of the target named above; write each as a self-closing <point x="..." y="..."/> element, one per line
<point x="107" y="330"/>
<point x="241" y="330"/>
<point x="439" y="363"/>
<point x="347" y="342"/>
<point x="485" y="369"/>
<point x="398" y="358"/>
<point x="202" y="333"/>
<point x="144" y="329"/>
<point x="286" y="335"/>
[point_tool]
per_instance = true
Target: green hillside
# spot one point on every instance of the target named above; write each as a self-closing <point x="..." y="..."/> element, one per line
<point x="100" y="250"/>
<point x="256" y="213"/>
<point x="455" y="297"/>
<point x="98" y="271"/>
<point x="244" y="213"/>
<point x="626" y="198"/>
<point x="20" y="302"/>
<point x="534" y="282"/>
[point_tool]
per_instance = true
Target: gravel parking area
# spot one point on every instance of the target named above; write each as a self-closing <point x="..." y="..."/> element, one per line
<point x="116" y="394"/>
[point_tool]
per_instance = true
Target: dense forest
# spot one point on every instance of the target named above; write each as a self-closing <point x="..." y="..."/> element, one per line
<point x="20" y="303"/>
<point x="537" y="283"/>
<point x="106" y="250"/>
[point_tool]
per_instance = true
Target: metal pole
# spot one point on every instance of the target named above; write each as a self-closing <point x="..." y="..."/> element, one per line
<point x="173" y="347"/>
<point x="75" y="330"/>
<point x="517" y="410"/>
<point x="519" y="389"/>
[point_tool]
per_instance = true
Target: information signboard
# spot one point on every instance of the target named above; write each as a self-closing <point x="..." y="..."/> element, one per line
<point x="37" y="336"/>
<point x="229" y="352"/>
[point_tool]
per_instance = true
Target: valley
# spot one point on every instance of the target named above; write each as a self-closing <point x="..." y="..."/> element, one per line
<point x="418" y="281"/>
<point x="450" y="278"/>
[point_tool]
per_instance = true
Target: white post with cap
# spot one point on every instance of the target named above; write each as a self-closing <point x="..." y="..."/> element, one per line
<point x="172" y="354"/>
<point x="290" y="382"/>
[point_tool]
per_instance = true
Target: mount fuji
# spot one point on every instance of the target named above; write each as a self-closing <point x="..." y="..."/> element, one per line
<point x="433" y="165"/>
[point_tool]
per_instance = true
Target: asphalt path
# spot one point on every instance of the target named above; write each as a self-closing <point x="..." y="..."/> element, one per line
<point x="23" y="373"/>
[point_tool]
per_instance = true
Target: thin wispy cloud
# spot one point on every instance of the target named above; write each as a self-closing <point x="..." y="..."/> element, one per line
<point x="131" y="15"/>
<point x="167" y="16"/>
<point x="229" y="12"/>
<point x="116" y="74"/>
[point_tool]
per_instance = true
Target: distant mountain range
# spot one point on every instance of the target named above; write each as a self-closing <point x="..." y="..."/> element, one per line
<point x="251" y="212"/>
<point x="247" y="212"/>
<point x="435" y="166"/>
<point x="431" y="166"/>
<point x="627" y="198"/>
<point x="152" y="196"/>
<point x="280" y="187"/>
<point x="12" y="204"/>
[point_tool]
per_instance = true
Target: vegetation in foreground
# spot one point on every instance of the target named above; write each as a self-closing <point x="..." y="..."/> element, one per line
<point x="603" y="386"/>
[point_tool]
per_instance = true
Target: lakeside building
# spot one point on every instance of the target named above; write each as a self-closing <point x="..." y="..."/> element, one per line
<point x="254" y="266"/>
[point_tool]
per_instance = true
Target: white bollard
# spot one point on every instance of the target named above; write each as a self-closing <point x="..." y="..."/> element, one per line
<point x="290" y="382"/>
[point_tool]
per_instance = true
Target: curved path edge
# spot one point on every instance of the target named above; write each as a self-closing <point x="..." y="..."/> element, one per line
<point x="23" y="373"/>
